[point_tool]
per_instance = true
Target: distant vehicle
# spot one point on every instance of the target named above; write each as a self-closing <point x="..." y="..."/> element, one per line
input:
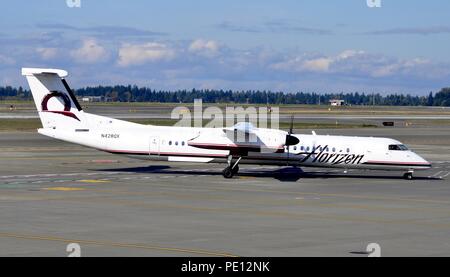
<point x="63" y="118"/>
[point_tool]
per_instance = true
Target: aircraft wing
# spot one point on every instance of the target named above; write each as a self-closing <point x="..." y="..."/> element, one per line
<point x="244" y="127"/>
<point x="239" y="140"/>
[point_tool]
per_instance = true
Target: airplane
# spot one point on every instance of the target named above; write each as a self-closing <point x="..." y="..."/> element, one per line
<point x="63" y="118"/>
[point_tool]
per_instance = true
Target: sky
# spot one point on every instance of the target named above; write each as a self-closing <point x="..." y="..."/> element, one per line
<point x="300" y="45"/>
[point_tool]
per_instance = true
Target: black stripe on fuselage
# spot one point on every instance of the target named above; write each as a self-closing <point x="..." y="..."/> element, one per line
<point x="398" y="164"/>
<point x="166" y="154"/>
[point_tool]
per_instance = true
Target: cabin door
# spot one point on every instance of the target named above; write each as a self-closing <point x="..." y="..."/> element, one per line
<point x="154" y="146"/>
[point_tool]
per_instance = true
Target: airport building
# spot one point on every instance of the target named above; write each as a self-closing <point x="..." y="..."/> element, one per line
<point x="337" y="102"/>
<point x="93" y="99"/>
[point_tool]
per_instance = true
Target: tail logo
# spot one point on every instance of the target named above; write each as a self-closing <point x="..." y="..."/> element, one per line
<point x="64" y="98"/>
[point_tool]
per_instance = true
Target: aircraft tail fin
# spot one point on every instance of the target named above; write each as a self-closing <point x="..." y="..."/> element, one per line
<point x="56" y="104"/>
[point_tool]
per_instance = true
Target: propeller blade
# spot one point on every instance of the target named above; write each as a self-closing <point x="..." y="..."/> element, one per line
<point x="287" y="161"/>
<point x="291" y="129"/>
<point x="291" y="140"/>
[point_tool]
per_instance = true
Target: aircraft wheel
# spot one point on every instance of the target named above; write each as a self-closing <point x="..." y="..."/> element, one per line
<point x="408" y="176"/>
<point x="235" y="169"/>
<point x="228" y="173"/>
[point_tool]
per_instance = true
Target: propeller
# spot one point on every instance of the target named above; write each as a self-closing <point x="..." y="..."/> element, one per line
<point x="290" y="139"/>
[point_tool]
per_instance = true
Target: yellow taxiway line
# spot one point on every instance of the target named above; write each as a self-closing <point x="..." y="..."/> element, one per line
<point x="116" y="244"/>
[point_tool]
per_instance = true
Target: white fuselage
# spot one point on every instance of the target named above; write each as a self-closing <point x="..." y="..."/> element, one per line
<point x="173" y="144"/>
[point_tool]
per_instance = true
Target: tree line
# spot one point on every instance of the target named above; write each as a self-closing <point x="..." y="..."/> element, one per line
<point x="142" y="94"/>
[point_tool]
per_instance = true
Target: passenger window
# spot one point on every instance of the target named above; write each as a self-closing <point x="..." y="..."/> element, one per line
<point x="334" y="149"/>
<point x="295" y="148"/>
<point x="176" y="143"/>
<point x="170" y="142"/>
<point x="348" y="150"/>
<point x="182" y="143"/>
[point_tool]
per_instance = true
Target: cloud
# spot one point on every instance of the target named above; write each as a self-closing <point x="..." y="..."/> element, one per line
<point x="207" y="48"/>
<point x="273" y="26"/>
<point x="173" y="64"/>
<point x="90" y="52"/>
<point x="47" y="53"/>
<point x="433" y="30"/>
<point x="364" y="67"/>
<point x="6" y="60"/>
<point x="282" y="26"/>
<point x="138" y="54"/>
<point x="104" y="31"/>
<point x="399" y="67"/>
<point x="50" y="39"/>
<point x="349" y="54"/>
<point x="227" y="26"/>
<point x="268" y="69"/>
<point x="315" y="63"/>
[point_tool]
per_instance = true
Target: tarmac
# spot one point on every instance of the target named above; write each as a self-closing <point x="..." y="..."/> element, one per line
<point x="54" y="193"/>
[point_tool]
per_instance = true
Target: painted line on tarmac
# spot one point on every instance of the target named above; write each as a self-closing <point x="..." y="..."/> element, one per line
<point x="436" y="174"/>
<point x="117" y="244"/>
<point x="63" y="174"/>
<point x="93" y="181"/>
<point x="267" y="213"/>
<point x="20" y="184"/>
<point x="448" y="173"/>
<point x="317" y="194"/>
<point x="64" y="189"/>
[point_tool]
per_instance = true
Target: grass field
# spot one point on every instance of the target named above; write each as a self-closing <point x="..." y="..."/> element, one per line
<point x="20" y="124"/>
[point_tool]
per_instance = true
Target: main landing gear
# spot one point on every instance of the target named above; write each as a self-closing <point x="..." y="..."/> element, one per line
<point x="408" y="175"/>
<point x="232" y="168"/>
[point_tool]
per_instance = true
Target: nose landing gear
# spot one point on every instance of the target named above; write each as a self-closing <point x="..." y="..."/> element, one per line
<point x="408" y="175"/>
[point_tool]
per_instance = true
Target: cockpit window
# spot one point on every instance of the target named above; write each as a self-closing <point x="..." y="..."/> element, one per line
<point x="398" y="147"/>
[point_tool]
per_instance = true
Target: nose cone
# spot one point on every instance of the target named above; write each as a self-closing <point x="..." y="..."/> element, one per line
<point x="420" y="161"/>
